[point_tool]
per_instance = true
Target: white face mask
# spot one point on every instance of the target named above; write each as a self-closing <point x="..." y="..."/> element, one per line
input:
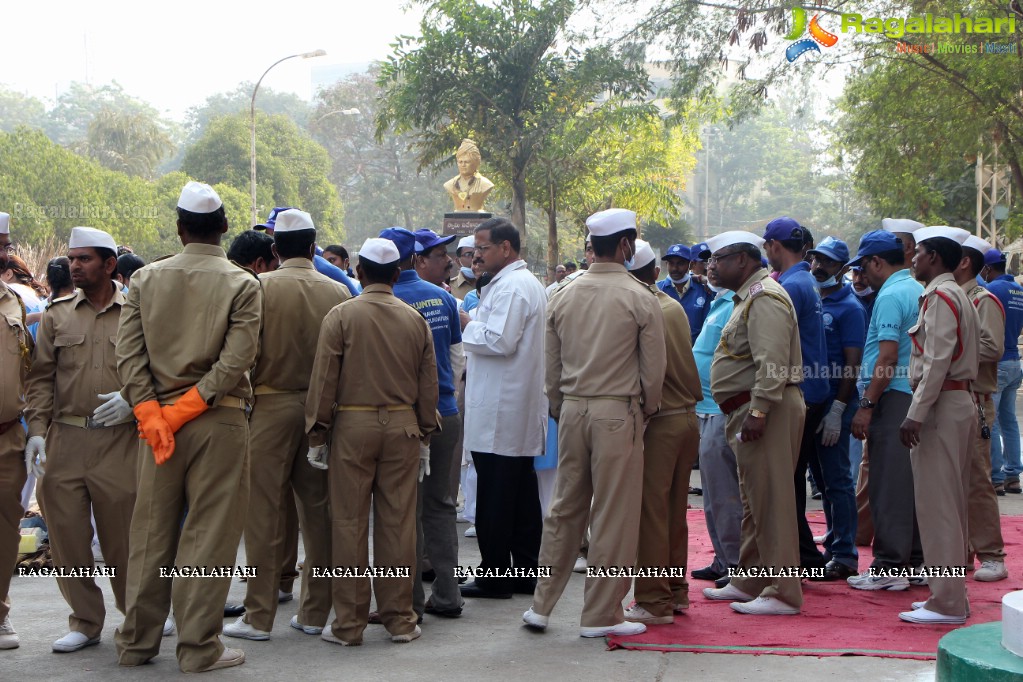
<point x="467" y="272"/>
<point x="863" y="294"/>
<point x="716" y="290"/>
<point x="828" y="283"/>
<point x="680" y="282"/>
<point x="631" y="260"/>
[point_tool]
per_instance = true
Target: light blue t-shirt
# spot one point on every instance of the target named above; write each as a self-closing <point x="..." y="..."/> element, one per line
<point x="707" y="342"/>
<point x="896" y="309"/>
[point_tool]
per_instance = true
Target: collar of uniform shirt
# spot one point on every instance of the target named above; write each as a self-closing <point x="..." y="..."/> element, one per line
<point x="933" y="284"/>
<point x="118" y="298"/>
<point x="743" y="291"/>
<point x="607" y="267"/>
<point x="297" y="263"/>
<point x="378" y="289"/>
<point x="204" y="250"/>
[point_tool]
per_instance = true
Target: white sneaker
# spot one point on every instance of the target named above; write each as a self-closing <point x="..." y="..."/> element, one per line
<point x="328" y="636"/>
<point x="867" y="581"/>
<point x="461" y="519"/>
<point x="168" y="627"/>
<point x="283" y="596"/>
<point x="8" y="637"/>
<point x="819" y="539"/>
<point x="922" y="615"/>
<point x="637" y="614"/>
<point x="407" y="637"/>
<point x="534" y="620"/>
<point x="470" y="532"/>
<point x="243" y="630"/>
<point x="991" y="571"/>
<point x="680" y="608"/>
<point x="73" y="641"/>
<point x="580" y="565"/>
<point x="308" y="629"/>
<point x="625" y="628"/>
<point x="765" y="606"/>
<point x="918" y="605"/>
<point x="727" y="593"/>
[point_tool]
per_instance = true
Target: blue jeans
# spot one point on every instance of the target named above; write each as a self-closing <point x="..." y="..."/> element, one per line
<point x="833" y="473"/>
<point x="1005" y="458"/>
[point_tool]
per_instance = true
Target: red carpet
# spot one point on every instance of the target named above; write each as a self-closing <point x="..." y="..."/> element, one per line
<point x="836" y="619"/>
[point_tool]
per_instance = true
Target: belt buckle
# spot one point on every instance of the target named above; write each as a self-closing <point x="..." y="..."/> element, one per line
<point x="91" y="423"/>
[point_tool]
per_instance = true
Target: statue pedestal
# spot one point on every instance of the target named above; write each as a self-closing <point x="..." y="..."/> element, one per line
<point x="462" y="223"/>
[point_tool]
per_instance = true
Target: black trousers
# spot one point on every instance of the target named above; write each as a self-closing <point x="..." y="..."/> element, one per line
<point x="508" y="520"/>
<point x="809" y="555"/>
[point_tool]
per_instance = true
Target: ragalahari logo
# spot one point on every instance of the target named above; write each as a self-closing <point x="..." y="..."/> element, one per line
<point x="817" y="35"/>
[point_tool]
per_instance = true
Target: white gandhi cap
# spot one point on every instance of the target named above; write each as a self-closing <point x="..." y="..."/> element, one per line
<point x="958" y="235"/>
<point x="84" y="237"/>
<point x="466" y="243"/>
<point x="900" y="225"/>
<point x="380" y="251"/>
<point x="5" y="223"/>
<point x="293" y="220"/>
<point x="611" y="221"/>
<point x="975" y="242"/>
<point x="731" y="238"/>
<point x="644" y="255"/>
<point x="198" y="197"/>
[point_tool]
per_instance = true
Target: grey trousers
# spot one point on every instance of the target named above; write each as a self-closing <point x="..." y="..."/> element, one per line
<point x="719" y="476"/>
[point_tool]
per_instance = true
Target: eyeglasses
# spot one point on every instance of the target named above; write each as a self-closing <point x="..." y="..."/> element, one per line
<point x="714" y="260"/>
<point x="9" y="248"/>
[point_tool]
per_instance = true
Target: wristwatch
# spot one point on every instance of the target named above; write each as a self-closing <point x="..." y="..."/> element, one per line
<point x="867" y="403"/>
<point x="759" y="414"/>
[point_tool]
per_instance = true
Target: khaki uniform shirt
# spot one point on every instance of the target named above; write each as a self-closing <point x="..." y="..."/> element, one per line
<point x="74" y="360"/>
<point x="605" y="339"/>
<point x="992" y="335"/>
<point x="376" y="351"/>
<point x="460" y="286"/>
<point x="935" y="342"/>
<point x="15" y="354"/>
<point x="681" y="379"/>
<point x="759" y="348"/>
<point x="189" y="320"/>
<point x="296" y="298"/>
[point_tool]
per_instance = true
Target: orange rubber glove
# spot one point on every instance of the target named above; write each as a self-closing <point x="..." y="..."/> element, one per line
<point x="187" y="408"/>
<point x="155" y="430"/>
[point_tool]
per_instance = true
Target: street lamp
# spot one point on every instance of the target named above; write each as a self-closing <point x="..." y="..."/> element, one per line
<point x="252" y="122"/>
<point x="344" y="112"/>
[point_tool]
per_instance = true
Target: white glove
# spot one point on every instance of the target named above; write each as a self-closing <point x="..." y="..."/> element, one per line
<point x="317" y="456"/>
<point x="831" y="425"/>
<point x="114" y="409"/>
<point x="35" y="456"/>
<point x="424" y="461"/>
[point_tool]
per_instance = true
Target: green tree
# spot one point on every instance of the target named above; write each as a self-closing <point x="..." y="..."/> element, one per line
<point x="76" y="108"/>
<point x="17" y="109"/>
<point x="133" y="143"/>
<point x="238" y="101"/>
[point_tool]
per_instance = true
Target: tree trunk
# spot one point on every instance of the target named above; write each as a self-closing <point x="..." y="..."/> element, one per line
<point x="552" y="233"/>
<point x="518" y="206"/>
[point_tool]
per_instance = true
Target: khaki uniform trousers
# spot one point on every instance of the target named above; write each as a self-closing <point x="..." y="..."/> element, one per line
<point x="766" y="466"/>
<point x="373" y="455"/>
<point x="941" y="477"/>
<point x="671" y="446"/>
<point x="89" y="470"/>
<point x="278" y="465"/>
<point x="289" y="537"/>
<point x="208" y="476"/>
<point x="12" y="479"/>
<point x="985" y="525"/>
<point x="600" y="449"/>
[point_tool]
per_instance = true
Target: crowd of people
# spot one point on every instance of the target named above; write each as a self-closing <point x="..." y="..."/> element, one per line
<point x="268" y="390"/>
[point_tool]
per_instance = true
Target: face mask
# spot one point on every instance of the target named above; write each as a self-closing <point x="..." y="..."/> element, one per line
<point x="467" y="273"/>
<point x="716" y="290"/>
<point x="829" y="282"/>
<point x="679" y="282"/>
<point x="863" y="294"/>
<point x="631" y="260"/>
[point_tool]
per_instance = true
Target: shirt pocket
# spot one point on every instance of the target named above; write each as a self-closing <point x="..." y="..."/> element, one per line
<point x="70" y="350"/>
<point x="916" y="341"/>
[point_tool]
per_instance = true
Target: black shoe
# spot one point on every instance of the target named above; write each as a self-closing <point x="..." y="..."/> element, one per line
<point x="429" y="576"/>
<point x="816" y="495"/>
<point x="462" y="580"/>
<point x="443" y="613"/>
<point x="722" y="581"/>
<point x="835" y="571"/>
<point x="707" y="573"/>
<point x="473" y="589"/>
<point x="233" y="610"/>
<point x="695" y="491"/>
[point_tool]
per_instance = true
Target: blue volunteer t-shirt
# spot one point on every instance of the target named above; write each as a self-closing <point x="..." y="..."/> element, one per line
<point x="695" y="301"/>
<point x="704" y="347"/>
<point x="325" y="267"/>
<point x="845" y="326"/>
<point x="440" y="310"/>
<point x="802" y="289"/>
<point x="896" y="309"/>
<point x="471" y="301"/>
<point x="1011" y="296"/>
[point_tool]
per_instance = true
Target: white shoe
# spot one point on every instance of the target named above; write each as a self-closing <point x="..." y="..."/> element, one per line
<point x="534" y="620"/>
<point x="819" y="539"/>
<point x="328" y="636"/>
<point x="73" y="641"/>
<point x="407" y="637"/>
<point x="922" y="615"/>
<point x="283" y="596"/>
<point x="625" y="628"/>
<point x="918" y="605"/>
<point x="765" y="606"/>
<point x="8" y="637"/>
<point x="243" y="630"/>
<point x="680" y="608"/>
<point x="308" y="629"/>
<point x="727" y="593"/>
<point x="461" y="519"/>
<point x="168" y="627"/>
<point x="637" y="614"/>
<point x="991" y="571"/>
<point x="868" y="581"/>
<point x="580" y="565"/>
<point x="470" y="532"/>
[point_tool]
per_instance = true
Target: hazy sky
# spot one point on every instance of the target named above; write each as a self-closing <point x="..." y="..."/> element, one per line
<point x="175" y="54"/>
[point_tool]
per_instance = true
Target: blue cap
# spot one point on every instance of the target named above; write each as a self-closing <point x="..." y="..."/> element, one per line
<point x="272" y="218"/>
<point x="427" y="239"/>
<point x="678" y="251"/>
<point x="402" y="238"/>
<point x="874" y="243"/>
<point x="994" y="257"/>
<point x="697" y="251"/>
<point x="764" y="263"/>
<point x="832" y="248"/>
<point x="783" y="229"/>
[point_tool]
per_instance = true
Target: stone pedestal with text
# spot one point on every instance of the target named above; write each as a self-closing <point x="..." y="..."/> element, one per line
<point x="462" y="223"/>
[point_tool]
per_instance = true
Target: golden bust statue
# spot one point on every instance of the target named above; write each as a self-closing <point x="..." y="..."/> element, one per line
<point x="468" y="189"/>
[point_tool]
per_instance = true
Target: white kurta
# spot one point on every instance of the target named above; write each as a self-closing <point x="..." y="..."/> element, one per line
<point x="505" y="406"/>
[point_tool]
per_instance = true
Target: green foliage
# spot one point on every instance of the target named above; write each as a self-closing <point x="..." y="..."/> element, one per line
<point x="17" y="109"/>
<point x="238" y="101"/>
<point x="77" y="107"/>
<point x="132" y="143"/>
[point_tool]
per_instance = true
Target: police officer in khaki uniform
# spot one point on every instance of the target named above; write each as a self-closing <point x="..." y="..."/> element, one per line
<point x="754" y="376"/>
<point x="296" y="298"/>
<point x="671" y="445"/>
<point x="605" y="369"/>
<point x="188" y="337"/>
<point x="90" y="460"/>
<point x="941" y="426"/>
<point x="465" y="281"/>
<point x="982" y="501"/>
<point x="15" y="350"/>
<point x="374" y="388"/>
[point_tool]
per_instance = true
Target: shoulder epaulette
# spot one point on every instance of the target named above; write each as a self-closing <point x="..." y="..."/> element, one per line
<point x="248" y="270"/>
<point x="62" y="299"/>
<point x="157" y="260"/>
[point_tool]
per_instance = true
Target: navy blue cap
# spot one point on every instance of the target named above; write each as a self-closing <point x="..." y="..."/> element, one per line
<point x="427" y="239"/>
<point x="697" y="251"/>
<point x="272" y="218"/>
<point x="763" y="262"/>
<point x="678" y="251"/>
<point x="874" y="243"/>
<point x="832" y="248"/>
<point x="993" y="257"/>
<point x="783" y="229"/>
<point x="402" y="238"/>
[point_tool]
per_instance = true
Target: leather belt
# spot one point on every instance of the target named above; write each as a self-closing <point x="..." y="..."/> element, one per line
<point x="955" y="385"/>
<point x="373" y="408"/>
<point x="226" y="401"/>
<point x="735" y="402"/>
<point x="619" y="398"/>
<point x="982" y="396"/>
<point x="668" y="413"/>
<point x="270" y="390"/>
<point x="6" y="426"/>
<point x="89" y="422"/>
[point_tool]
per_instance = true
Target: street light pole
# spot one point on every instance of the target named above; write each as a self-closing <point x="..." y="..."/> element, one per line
<point x="252" y="126"/>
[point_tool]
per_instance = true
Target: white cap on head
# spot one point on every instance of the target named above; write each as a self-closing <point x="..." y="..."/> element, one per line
<point x="611" y="221"/>
<point x="731" y="238"/>
<point x="84" y="237"/>
<point x="958" y="235"/>
<point x="380" y="251"/>
<point x="900" y="225"/>
<point x="199" y="197"/>
<point x="293" y="220"/>
<point x="975" y="242"/>
<point x="644" y="255"/>
<point x="468" y="242"/>
<point x="5" y="223"/>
